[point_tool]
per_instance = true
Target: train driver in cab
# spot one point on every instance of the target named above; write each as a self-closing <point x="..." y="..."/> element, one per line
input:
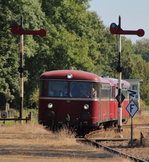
<point x="93" y="92"/>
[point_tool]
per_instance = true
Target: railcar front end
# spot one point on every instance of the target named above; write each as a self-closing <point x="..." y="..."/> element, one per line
<point x="69" y="98"/>
<point x="79" y="99"/>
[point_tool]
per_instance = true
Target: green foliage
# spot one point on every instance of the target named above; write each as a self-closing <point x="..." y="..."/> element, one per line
<point x="141" y="67"/>
<point x="73" y="33"/>
<point x="142" y="48"/>
<point x="13" y="113"/>
<point x="143" y="105"/>
<point x="138" y="69"/>
<point x="75" y="37"/>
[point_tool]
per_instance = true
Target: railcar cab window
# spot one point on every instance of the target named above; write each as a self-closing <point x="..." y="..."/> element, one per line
<point x="72" y="89"/>
<point x="58" y="89"/>
<point x="83" y="89"/>
<point x="43" y="88"/>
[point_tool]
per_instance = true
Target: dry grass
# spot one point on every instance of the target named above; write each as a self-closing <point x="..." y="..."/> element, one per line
<point x="140" y="146"/>
<point x="139" y="118"/>
<point x="31" y="142"/>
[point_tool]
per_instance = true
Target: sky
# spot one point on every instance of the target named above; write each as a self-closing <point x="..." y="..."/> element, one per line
<point x="134" y="14"/>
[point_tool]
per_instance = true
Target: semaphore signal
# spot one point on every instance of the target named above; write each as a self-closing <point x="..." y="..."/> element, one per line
<point x="18" y="30"/>
<point x="116" y="29"/>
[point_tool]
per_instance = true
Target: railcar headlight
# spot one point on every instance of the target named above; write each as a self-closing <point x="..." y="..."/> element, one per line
<point x="69" y="76"/>
<point x="86" y="106"/>
<point x="50" y="105"/>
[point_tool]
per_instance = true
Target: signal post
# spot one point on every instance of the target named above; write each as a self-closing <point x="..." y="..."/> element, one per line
<point x="116" y="29"/>
<point x="18" y="30"/>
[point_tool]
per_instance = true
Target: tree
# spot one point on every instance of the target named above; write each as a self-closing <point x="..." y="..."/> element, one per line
<point x="8" y="57"/>
<point x="145" y="84"/>
<point x="142" y="47"/>
<point x="11" y="11"/>
<point x="75" y="37"/>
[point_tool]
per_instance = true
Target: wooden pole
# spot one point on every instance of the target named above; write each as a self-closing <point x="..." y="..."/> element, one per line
<point x="21" y="71"/>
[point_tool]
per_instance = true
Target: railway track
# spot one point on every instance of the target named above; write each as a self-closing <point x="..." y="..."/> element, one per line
<point x="137" y="125"/>
<point x="109" y="149"/>
<point x="117" y="144"/>
<point x="114" y="128"/>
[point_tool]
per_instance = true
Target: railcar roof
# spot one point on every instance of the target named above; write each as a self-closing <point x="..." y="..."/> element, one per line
<point x="77" y="75"/>
<point x="115" y="82"/>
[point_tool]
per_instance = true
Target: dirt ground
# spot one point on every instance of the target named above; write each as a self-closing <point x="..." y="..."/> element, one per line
<point x="31" y="142"/>
<point x="140" y="146"/>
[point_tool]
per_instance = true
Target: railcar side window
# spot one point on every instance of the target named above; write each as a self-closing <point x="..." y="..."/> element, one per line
<point x="125" y="92"/>
<point x="106" y="91"/>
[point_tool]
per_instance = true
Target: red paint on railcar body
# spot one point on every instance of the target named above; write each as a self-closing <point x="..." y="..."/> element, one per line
<point x="76" y="111"/>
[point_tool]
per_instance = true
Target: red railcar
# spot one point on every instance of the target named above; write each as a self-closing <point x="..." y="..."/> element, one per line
<point x="79" y="99"/>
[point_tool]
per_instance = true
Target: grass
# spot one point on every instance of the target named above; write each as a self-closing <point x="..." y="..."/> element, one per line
<point x="15" y="114"/>
<point x="139" y="118"/>
<point x="32" y="142"/>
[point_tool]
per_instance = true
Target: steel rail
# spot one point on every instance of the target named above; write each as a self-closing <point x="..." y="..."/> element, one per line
<point x="113" y="128"/>
<point x="99" y="145"/>
<point x="113" y="139"/>
<point x="136" y="125"/>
